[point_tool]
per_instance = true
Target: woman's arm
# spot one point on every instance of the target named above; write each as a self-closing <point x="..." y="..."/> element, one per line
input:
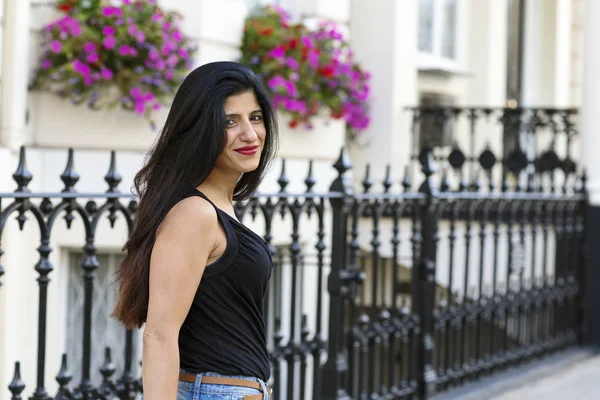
<point x="184" y="243"/>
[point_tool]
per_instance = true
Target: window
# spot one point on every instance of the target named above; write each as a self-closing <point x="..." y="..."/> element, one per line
<point x="438" y="34"/>
<point x="106" y="332"/>
<point x="435" y="128"/>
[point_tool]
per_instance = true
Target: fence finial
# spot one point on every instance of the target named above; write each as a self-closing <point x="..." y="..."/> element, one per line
<point x="16" y="385"/>
<point x="387" y="182"/>
<point x="342" y="165"/>
<point x="428" y="167"/>
<point x="69" y="176"/>
<point x="406" y="183"/>
<point x="531" y="182"/>
<point x="475" y="184"/>
<point x="63" y="378"/>
<point x="113" y="178"/>
<point x="1" y="268"/>
<point x="108" y="368"/>
<point x="367" y="181"/>
<point x="22" y="175"/>
<point x="445" y="183"/>
<point x="310" y="180"/>
<point x="283" y="180"/>
<point x="584" y="180"/>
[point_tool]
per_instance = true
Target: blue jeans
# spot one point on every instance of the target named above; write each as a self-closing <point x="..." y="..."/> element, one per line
<point x="204" y="391"/>
<point x="200" y="391"/>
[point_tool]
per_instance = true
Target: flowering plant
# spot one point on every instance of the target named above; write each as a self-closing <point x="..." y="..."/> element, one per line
<point x="130" y="53"/>
<point x="305" y="69"/>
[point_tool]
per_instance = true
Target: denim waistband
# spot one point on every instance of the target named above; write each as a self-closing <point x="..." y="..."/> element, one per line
<point x="199" y="377"/>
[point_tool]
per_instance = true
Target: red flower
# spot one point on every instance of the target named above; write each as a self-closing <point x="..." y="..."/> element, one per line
<point x="326" y="71"/>
<point x="337" y="114"/>
<point x="293" y="124"/>
<point x="64" y="7"/>
<point x="305" y="51"/>
<point x="293" y="43"/>
<point x="266" y="32"/>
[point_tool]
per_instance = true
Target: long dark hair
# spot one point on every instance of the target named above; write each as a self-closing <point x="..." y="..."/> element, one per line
<point x="181" y="159"/>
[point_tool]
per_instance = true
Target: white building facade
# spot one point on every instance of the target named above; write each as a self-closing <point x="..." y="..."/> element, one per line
<point x="456" y="49"/>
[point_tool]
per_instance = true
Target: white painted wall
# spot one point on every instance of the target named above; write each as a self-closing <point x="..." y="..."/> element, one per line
<point x="392" y="25"/>
<point x="383" y="34"/>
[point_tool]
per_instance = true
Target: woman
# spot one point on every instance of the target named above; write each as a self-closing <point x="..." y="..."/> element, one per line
<point x="192" y="273"/>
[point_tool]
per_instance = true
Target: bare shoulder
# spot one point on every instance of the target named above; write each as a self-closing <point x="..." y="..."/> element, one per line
<point x="190" y="215"/>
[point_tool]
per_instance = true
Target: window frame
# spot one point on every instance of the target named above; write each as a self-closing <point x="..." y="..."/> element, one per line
<point x="434" y="60"/>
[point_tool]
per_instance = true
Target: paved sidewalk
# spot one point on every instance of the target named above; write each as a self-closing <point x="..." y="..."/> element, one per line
<point x="579" y="381"/>
<point x="570" y="375"/>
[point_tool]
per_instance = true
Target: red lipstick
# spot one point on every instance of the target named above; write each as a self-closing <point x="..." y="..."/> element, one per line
<point x="248" y="150"/>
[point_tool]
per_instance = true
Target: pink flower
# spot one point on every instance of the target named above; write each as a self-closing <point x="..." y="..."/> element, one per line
<point x="109" y="42"/>
<point x="153" y="55"/>
<point x="169" y="75"/>
<point x="166" y="25"/>
<point x="156" y="17"/>
<point x="183" y="53"/>
<point x="277" y="52"/>
<point x="313" y="59"/>
<point x="161" y="65"/>
<point x="110" y="11"/>
<point x="75" y="28"/>
<point x="177" y="36"/>
<point x="139" y="107"/>
<point x="156" y="106"/>
<point x="172" y="60"/>
<point x="168" y="48"/>
<point x="80" y="67"/>
<point x="291" y="88"/>
<point x="293" y="64"/>
<point x="276" y="81"/>
<point x="46" y="64"/>
<point x="335" y="34"/>
<point x="124" y="50"/>
<point x="306" y="41"/>
<point x="92" y="58"/>
<point x="106" y="73"/>
<point x="136" y="92"/>
<point x="89" y="47"/>
<point x="132" y="30"/>
<point x="88" y="80"/>
<point x="108" y="30"/>
<point x="55" y="46"/>
<point x="140" y="36"/>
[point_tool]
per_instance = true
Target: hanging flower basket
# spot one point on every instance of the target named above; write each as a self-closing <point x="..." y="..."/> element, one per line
<point x="130" y="54"/>
<point x="306" y="70"/>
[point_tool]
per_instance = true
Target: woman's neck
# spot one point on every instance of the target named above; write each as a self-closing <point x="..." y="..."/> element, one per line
<point x="219" y="187"/>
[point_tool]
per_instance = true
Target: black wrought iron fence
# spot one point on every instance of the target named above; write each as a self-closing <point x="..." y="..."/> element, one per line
<point x="392" y="294"/>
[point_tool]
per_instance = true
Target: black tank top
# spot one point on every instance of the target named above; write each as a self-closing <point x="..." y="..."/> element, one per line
<point x="224" y="331"/>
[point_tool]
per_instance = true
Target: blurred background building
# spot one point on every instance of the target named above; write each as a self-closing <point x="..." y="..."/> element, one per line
<point x="453" y="53"/>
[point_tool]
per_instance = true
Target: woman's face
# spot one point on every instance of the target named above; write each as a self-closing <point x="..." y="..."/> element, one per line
<point x="245" y="134"/>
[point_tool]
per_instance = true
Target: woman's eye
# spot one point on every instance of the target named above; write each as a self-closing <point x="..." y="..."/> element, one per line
<point x="255" y="118"/>
<point x="229" y="122"/>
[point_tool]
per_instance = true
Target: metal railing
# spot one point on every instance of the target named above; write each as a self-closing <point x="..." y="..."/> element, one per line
<point x="398" y="293"/>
